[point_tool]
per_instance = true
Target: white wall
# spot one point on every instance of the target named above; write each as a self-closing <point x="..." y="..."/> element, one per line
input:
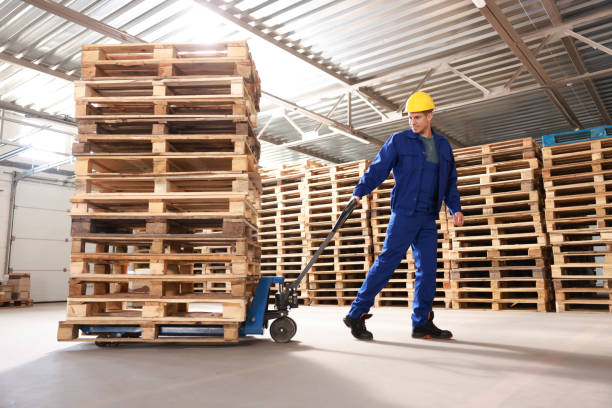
<point x="41" y="229"/>
<point x="41" y="245"/>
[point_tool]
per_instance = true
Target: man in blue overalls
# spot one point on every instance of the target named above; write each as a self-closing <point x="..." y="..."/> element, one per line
<point x="425" y="175"/>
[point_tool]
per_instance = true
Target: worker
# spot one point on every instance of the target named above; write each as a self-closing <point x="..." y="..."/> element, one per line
<point x="425" y="175"/>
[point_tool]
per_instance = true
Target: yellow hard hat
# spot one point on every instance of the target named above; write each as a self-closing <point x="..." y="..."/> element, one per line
<point x="419" y="102"/>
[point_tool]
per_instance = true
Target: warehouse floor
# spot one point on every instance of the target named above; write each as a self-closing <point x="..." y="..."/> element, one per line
<point x="497" y="360"/>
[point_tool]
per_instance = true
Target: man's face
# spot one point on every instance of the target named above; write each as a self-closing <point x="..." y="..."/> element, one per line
<point x="419" y="121"/>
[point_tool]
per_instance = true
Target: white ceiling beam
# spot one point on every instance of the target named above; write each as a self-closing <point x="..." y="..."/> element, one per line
<point x="84" y="20"/>
<point x="45" y="69"/>
<point x="320" y="118"/>
<point x="469" y="80"/>
<point x="557" y="19"/>
<point x="291" y="46"/>
<point x="498" y="20"/>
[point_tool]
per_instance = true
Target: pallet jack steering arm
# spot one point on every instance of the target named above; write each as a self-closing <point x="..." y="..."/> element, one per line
<point x="288" y="295"/>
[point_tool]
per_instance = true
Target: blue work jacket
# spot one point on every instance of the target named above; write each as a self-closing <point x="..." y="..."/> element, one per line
<point x="404" y="153"/>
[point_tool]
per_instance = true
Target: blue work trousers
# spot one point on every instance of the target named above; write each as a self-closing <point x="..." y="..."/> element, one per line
<point x="420" y="231"/>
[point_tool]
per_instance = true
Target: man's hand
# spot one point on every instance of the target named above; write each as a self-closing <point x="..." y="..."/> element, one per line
<point x="458" y="219"/>
<point x="358" y="201"/>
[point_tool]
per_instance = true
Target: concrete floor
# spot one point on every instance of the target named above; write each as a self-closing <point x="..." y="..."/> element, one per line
<point x="501" y="359"/>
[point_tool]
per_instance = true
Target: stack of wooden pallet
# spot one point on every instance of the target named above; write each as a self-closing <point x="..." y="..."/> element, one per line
<point x="400" y="289"/>
<point x="577" y="177"/>
<point x="341" y="269"/>
<point x="499" y="257"/>
<point x="16" y="291"/>
<point x="281" y="222"/>
<point x="164" y="215"/>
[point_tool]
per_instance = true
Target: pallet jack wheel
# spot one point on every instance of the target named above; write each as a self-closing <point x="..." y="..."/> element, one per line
<point x="283" y="329"/>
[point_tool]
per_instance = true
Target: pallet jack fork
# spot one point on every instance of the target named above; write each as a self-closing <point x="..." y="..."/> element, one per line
<point x="282" y="329"/>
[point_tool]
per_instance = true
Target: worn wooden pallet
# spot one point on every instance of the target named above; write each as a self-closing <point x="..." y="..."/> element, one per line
<point x="148" y="331"/>
<point x="16" y="303"/>
<point x="204" y="87"/>
<point x="161" y="285"/>
<point x="163" y="264"/>
<point x="519" y="149"/>
<point x="170" y="126"/>
<point x="149" y="145"/>
<point x="592" y="295"/>
<point x="128" y="308"/>
<point x="166" y="227"/>
<point x="159" y="108"/>
<point x="183" y="204"/>
<point x="165" y="164"/>
<point x="499" y="167"/>
<point x="488" y="271"/>
<point x="580" y="152"/>
<point x="119" y="61"/>
<point x="502" y="294"/>
<point x="216" y="183"/>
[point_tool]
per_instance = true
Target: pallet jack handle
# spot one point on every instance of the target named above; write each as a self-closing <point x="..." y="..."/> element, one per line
<point x="348" y="210"/>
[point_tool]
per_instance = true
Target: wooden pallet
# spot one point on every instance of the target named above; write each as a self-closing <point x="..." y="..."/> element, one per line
<point x="587" y="294"/>
<point x="202" y="144"/>
<point x="216" y="183"/>
<point x="172" y="126"/>
<point x="209" y="87"/>
<point x="119" y="61"/>
<point x="519" y="149"/>
<point x="581" y="152"/>
<point x="149" y="331"/>
<point x="236" y="109"/>
<point x="502" y="294"/>
<point x="167" y="164"/>
<point x="499" y="167"/>
<point x="16" y="303"/>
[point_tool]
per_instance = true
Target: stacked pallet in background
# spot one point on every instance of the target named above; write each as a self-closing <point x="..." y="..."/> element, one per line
<point x="400" y="289"/>
<point x="164" y="214"/>
<point x="578" y="183"/>
<point x="499" y="257"/>
<point x="338" y="274"/>
<point x="281" y="222"/>
<point x="16" y="291"/>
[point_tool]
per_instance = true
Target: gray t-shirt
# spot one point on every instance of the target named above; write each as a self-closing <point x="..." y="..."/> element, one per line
<point x="431" y="153"/>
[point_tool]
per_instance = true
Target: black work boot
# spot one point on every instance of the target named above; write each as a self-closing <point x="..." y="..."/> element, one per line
<point x="430" y="331"/>
<point x="358" y="327"/>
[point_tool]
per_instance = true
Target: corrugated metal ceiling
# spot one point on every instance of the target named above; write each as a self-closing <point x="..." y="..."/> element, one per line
<point x="391" y="44"/>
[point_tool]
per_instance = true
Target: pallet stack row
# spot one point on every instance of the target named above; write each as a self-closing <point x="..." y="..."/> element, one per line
<point x="578" y="180"/>
<point x="341" y="268"/>
<point x="400" y="289"/>
<point x="281" y="222"/>
<point x="500" y="256"/>
<point x="164" y="216"/>
<point x="16" y="291"/>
